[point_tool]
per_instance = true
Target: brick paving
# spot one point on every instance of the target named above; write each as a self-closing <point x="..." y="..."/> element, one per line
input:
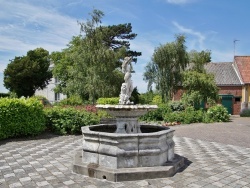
<point x="216" y="155"/>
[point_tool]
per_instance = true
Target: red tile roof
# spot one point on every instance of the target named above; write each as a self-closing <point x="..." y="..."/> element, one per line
<point x="243" y="64"/>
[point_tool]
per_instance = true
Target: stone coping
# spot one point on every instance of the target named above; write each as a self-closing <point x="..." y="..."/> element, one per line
<point x="127" y="107"/>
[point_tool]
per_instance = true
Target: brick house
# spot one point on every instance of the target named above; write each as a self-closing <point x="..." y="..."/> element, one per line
<point x="233" y="81"/>
<point x="229" y="84"/>
<point x="242" y="65"/>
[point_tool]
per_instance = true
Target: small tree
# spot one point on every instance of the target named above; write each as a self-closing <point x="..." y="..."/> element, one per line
<point x="199" y="87"/>
<point x="24" y="75"/>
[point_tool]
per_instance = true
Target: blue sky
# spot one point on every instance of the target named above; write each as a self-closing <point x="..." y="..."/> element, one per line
<point x="50" y="24"/>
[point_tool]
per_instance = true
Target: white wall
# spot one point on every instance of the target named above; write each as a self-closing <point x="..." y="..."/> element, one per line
<point x="49" y="93"/>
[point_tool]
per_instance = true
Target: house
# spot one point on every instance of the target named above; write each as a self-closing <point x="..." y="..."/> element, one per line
<point x="242" y="65"/>
<point x="233" y="81"/>
<point x="229" y="84"/>
<point x="49" y="92"/>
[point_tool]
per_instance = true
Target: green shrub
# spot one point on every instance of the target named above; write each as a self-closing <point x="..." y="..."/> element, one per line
<point x="245" y="112"/>
<point x="187" y="116"/>
<point x="176" y="106"/>
<point x="112" y="100"/>
<point x="43" y="100"/>
<point x="157" y="100"/>
<point x="71" y="101"/>
<point x="217" y="113"/>
<point x="68" y="120"/>
<point x="176" y="116"/>
<point x="21" y="117"/>
<point x="193" y="116"/>
<point x="156" y="115"/>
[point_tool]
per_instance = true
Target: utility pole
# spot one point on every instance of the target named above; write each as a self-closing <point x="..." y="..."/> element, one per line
<point x="235" y="40"/>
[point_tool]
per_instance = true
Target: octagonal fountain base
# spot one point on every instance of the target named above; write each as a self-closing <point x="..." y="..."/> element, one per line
<point x="116" y="156"/>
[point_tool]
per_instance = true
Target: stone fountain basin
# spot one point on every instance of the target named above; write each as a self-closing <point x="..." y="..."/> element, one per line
<point x="154" y="146"/>
<point x="127" y="110"/>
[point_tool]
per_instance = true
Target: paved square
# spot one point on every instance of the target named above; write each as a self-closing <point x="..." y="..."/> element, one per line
<point x="213" y="159"/>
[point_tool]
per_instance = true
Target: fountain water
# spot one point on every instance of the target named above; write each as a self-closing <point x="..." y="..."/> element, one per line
<point x="127" y="150"/>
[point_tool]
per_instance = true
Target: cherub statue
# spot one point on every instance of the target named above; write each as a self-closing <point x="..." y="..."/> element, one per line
<point x="127" y="87"/>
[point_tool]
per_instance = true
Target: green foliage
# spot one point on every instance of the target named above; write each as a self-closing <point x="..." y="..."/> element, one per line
<point x="199" y="87"/>
<point x="164" y="71"/>
<point x="90" y="66"/>
<point x="156" y="115"/>
<point x="112" y="100"/>
<point x="187" y="116"/>
<point x="25" y="74"/>
<point x="146" y="98"/>
<point x="176" y="106"/>
<point x="73" y="100"/>
<point x="192" y="98"/>
<point x="157" y="100"/>
<point x="217" y="113"/>
<point x="43" y="100"/>
<point x="21" y="117"/>
<point x="135" y="96"/>
<point x="245" y="112"/>
<point x="68" y="120"/>
<point x="199" y="59"/>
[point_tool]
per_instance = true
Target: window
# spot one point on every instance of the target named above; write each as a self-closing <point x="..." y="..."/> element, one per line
<point x="237" y="99"/>
<point x="56" y="80"/>
<point x="57" y="96"/>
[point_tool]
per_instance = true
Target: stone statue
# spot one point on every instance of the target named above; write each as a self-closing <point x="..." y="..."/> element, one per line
<point x="127" y="86"/>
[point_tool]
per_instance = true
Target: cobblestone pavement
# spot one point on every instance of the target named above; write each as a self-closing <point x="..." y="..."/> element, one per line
<point x="211" y="161"/>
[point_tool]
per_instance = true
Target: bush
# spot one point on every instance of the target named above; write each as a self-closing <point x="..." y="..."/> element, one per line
<point x="217" y="113"/>
<point x="43" y="100"/>
<point x="245" y="112"/>
<point x="189" y="115"/>
<point x="156" y="115"/>
<point x="21" y="117"/>
<point x="72" y="101"/>
<point x="157" y="100"/>
<point x="68" y="120"/>
<point x="176" y="106"/>
<point x="112" y="100"/>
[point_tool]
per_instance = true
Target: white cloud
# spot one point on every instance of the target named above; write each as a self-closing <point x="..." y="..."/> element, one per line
<point x="30" y="26"/>
<point x="199" y="37"/>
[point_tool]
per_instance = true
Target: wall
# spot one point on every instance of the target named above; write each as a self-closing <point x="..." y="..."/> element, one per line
<point x="233" y="90"/>
<point x="49" y="93"/>
<point x="237" y="92"/>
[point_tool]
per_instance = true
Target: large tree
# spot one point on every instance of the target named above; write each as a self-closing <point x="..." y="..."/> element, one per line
<point x="24" y="75"/>
<point x="89" y="67"/>
<point x="165" y="69"/>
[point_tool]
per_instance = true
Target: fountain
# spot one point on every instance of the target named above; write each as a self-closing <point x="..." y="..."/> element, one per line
<point x="127" y="150"/>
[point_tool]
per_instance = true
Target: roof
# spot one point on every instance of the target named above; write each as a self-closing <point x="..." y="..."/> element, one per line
<point x="243" y="65"/>
<point x="224" y="73"/>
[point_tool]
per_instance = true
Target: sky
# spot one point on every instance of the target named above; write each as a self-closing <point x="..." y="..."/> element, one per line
<point x="207" y="24"/>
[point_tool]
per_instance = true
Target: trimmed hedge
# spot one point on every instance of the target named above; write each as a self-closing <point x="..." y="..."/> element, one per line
<point x="112" y="100"/>
<point x="68" y="120"/>
<point x="21" y="117"/>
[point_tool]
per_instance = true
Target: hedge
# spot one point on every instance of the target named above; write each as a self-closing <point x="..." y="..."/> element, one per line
<point x="68" y="120"/>
<point x="21" y="117"/>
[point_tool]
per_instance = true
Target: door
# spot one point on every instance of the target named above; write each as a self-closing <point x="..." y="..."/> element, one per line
<point x="227" y="102"/>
